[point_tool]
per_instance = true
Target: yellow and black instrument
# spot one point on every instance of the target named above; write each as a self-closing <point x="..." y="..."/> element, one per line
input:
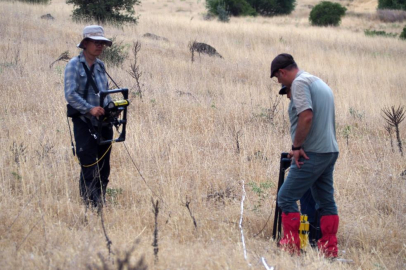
<point x="115" y="113"/>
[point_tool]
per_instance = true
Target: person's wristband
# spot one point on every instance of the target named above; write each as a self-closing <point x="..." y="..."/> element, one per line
<point x="296" y="148"/>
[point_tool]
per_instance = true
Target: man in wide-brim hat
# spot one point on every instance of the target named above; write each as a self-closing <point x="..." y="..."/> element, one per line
<point x="95" y="33"/>
<point x="85" y="77"/>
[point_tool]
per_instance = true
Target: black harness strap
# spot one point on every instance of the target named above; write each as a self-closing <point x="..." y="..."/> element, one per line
<point x="89" y="82"/>
<point x="90" y="78"/>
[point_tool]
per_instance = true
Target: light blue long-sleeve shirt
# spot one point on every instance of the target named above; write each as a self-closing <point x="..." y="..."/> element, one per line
<point x="75" y="82"/>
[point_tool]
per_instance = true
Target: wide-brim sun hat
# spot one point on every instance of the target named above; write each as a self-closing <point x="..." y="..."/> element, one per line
<point x="94" y="32"/>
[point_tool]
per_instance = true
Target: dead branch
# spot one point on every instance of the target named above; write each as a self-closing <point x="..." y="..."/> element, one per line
<point x="21" y="211"/>
<point x="121" y="263"/>
<point x="155" y="210"/>
<point x="63" y="57"/>
<point x="263" y="228"/>
<point x="135" y="68"/>
<point x="237" y="141"/>
<point x="274" y="106"/>
<point x="388" y="128"/>
<point x="187" y="204"/>
<point x="108" y="241"/>
<point x="192" y="50"/>
<point x="28" y="234"/>
<point x="267" y="267"/>
<point x="240" y="225"/>
<point x="393" y="118"/>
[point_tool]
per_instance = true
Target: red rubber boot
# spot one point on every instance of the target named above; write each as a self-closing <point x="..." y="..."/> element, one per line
<point x="290" y="241"/>
<point x="328" y="242"/>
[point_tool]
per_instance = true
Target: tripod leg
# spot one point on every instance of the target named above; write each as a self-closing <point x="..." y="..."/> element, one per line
<point x="277" y="224"/>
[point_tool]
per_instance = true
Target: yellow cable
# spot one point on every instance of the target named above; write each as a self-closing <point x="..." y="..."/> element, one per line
<point x="97" y="161"/>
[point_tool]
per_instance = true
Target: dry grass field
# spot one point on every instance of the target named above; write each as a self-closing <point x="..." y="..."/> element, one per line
<point x="202" y="130"/>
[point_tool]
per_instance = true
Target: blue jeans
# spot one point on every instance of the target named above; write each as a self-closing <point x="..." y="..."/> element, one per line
<point x="316" y="174"/>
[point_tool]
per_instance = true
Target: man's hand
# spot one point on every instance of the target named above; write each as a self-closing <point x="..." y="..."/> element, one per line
<point x="97" y="111"/>
<point x="296" y="155"/>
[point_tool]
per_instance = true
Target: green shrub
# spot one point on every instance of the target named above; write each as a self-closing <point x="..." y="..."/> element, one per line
<point x="403" y="34"/>
<point x="392" y="4"/>
<point x="113" y="194"/>
<point x="252" y="7"/>
<point x="114" y="55"/>
<point x="223" y="13"/>
<point x="113" y="11"/>
<point x="327" y="13"/>
<point x="372" y="33"/>
<point x="273" y="7"/>
<point x="233" y="7"/>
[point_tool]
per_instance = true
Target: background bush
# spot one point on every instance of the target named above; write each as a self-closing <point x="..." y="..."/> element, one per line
<point x="252" y="7"/>
<point x="273" y="7"/>
<point x="114" y="55"/>
<point x="372" y="33"/>
<point x="233" y="7"/>
<point x="403" y="34"/>
<point x="223" y="14"/>
<point x="327" y="13"/>
<point x="114" y="11"/>
<point x="392" y="4"/>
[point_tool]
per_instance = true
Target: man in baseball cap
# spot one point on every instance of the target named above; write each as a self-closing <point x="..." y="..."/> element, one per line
<point x="282" y="61"/>
<point x="314" y="152"/>
<point x="307" y="203"/>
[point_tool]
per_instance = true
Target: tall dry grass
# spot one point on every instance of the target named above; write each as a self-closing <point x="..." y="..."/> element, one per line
<point x="183" y="137"/>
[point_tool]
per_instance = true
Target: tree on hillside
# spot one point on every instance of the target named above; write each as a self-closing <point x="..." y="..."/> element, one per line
<point x="115" y="11"/>
<point x="327" y="13"/>
<point x="252" y="7"/>
<point x="273" y="7"/>
<point x="392" y="4"/>
<point x="233" y="7"/>
<point x="403" y="34"/>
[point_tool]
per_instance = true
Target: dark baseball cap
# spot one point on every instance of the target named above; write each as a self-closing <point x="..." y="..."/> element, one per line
<point x="281" y="61"/>
<point x="284" y="90"/>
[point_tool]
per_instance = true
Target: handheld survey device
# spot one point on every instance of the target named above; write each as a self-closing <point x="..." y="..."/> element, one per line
<point x="115" y="113"/>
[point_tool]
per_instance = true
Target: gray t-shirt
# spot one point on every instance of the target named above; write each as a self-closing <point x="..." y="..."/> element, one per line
<point x="310" y="92"/>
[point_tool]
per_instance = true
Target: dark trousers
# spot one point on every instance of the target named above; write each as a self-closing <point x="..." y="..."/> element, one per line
<point x="93" y="179"/>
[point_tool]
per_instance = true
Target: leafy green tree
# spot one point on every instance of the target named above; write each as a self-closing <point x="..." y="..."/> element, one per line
<point x="252" y="7"/>
<point x="234" y="7"/>
<point x="273" y="7"/>
<point x="392" y="4"/>
<point x="327" y="13"/>
<point x="403" y="34"/>
<point x="223" y="14"/>
<point x="114" y="11"/>
<point x="115" y="54"/>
